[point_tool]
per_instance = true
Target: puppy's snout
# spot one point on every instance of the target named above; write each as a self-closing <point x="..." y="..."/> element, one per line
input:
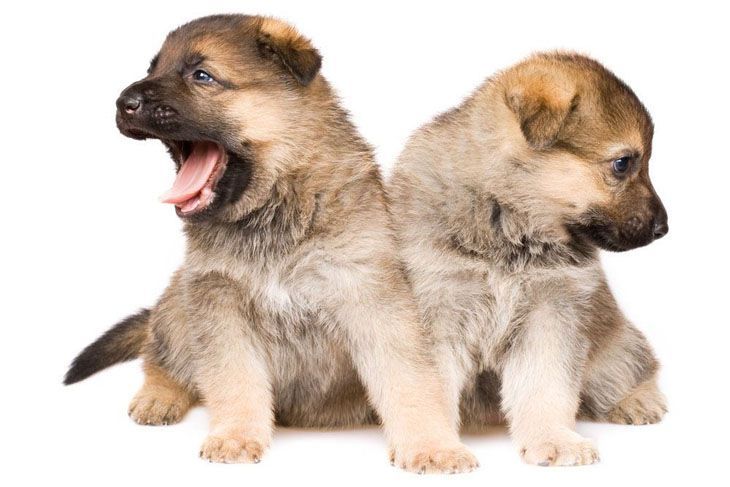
<point x="134" y="97"/>
<point x="129" y="103"/>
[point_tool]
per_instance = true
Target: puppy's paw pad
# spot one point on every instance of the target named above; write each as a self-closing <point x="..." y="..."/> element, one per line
<point x="148" y="409"/>
<point x="561" y="452"/>
<point x="435" y="459"/>
<point x="223" y="449"/>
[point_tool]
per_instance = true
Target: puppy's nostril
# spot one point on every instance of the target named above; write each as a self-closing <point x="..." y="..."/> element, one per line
<point x="129" y="104"/>
<point x="660" y="229"/>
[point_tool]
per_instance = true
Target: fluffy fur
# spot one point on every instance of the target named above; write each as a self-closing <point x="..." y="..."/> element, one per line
<point x="500" y="205"/>
<point x="291" y="305"/>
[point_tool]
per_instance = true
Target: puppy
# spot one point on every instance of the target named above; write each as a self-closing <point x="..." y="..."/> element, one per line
<point x="500" y="206"/>
<point x="291" y="305"/>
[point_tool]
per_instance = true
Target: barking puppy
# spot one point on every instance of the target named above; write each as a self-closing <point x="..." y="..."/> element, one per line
<point x="291" y="305"/>
<point x="501" y="205"/>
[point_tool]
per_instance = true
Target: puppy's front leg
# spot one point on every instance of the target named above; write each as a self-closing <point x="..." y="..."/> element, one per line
<point x="391" y="354"/>
<point x="540" y="390"/>
<point x="231" y="372"/>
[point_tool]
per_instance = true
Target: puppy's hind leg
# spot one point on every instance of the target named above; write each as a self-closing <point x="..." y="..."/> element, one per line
<point x="165" y="398"/>
<point x="621" y="381"/>
<point x="645" y="404"/>
<point x="161" y="400"/>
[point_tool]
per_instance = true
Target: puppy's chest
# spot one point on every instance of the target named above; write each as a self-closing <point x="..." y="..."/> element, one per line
<point x="275" y="295"/>
<point x="279" y="301"/>
<point x="282" y="292"/>
<point x="503" y="301"/>
<point x="490" y="319"/>
<point x="475" y="311"/>
<point x="269" y="285"/>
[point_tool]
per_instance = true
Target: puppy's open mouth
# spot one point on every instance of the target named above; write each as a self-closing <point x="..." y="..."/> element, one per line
<point x="202" y="163"/>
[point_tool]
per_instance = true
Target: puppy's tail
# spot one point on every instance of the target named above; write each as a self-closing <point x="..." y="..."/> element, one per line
<point x="122" y="342"/>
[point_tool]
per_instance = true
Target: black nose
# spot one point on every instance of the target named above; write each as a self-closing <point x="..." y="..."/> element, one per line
<point x="129" y="103"/>
<point x="660" y="229"/>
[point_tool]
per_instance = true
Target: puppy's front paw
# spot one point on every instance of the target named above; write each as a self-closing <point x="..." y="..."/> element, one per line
<point x="562" y="449"/>
<point x="644" y="405"/>
<point x="232" y="449"/>
<point x="158" y="409"/>
<point x="434" y="459"/>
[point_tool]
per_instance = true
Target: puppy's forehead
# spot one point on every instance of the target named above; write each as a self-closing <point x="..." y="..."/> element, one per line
<point x="625" y="117"/>
<point x="226" y="41"/>
<point x="193" y="50"/>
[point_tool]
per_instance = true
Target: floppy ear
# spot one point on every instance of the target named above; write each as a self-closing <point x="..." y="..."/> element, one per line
<point x="282" y="43"/>
<point x="541" y="110"/>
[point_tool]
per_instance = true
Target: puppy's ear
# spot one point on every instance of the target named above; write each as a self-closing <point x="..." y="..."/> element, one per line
<point x="542" y="109"/>
<point x="282" y="43"/>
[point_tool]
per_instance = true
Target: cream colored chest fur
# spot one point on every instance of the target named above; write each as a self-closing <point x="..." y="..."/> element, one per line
<point x="474" y="308"/>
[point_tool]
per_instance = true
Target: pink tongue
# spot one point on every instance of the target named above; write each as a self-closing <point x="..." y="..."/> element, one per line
<point x="194" y="173"/>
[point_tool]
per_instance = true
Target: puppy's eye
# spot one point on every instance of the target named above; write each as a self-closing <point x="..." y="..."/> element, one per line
<point x="622" y="165"/>
<point x="202" y="77"/>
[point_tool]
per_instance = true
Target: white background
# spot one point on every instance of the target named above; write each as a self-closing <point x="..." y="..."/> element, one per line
<point x="85" y="242"/>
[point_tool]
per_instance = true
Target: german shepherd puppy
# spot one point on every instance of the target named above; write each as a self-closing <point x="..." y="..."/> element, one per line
<point x="291" y="305"/>
<point x="501" y="205"/>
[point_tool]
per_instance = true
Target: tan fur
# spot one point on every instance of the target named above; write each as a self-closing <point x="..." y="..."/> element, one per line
<point x="645" y="404"/>
<point x="283" y="33"/>
<point x="161" y="400"/>
<point x="489" y="202"/>
<point x="291" y="306"/>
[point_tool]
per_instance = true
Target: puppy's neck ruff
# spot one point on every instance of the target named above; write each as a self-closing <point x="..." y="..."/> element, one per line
<point x="486" y="228"/>
<point x="278" y="212"/>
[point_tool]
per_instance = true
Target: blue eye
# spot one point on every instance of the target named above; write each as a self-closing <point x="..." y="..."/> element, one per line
<point x="622" y="165"/>
<point x="202" y="77"/>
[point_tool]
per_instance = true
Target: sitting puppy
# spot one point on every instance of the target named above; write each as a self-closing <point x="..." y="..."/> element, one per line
<point x="291" y="305"/>
<point x="501" y="205"/>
